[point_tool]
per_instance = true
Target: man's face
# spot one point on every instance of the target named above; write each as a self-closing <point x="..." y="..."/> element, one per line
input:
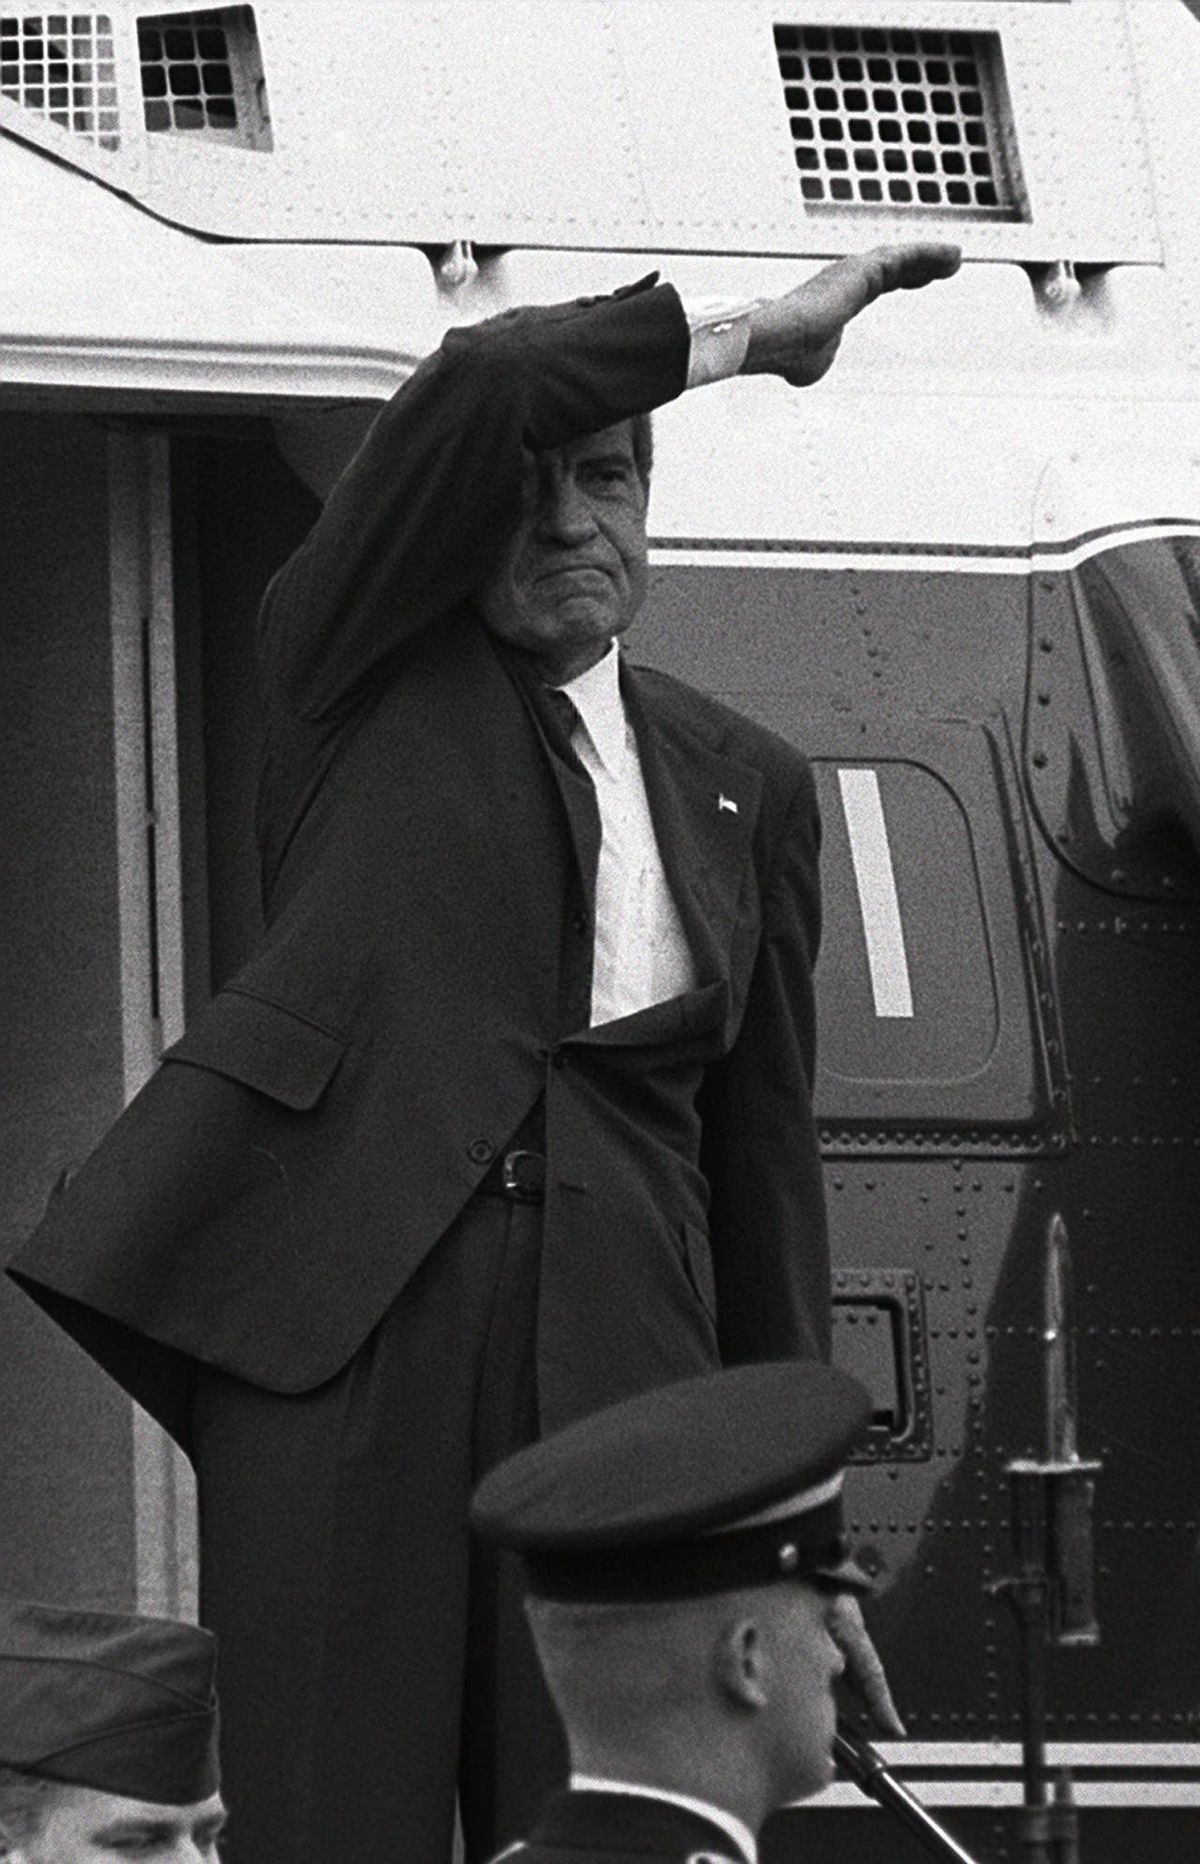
<point x="574" y="574"/>
<point x="809" y="1664"/>
<point x="87" y="1827"/>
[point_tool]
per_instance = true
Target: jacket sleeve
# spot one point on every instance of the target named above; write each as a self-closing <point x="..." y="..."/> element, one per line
<point x="767" y="1219"/>
<point x="419" y="517"/>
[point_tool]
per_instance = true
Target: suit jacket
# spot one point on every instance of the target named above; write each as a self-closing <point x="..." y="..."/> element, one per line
<point x="268" y="1193"/>
<point x="620" y="1828"/>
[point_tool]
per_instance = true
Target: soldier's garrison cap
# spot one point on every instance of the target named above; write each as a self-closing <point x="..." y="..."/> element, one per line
<point x="100" y="1699"/>
<point x="728" y="1480"/>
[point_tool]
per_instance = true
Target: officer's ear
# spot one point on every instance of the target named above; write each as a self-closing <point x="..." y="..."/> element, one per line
<point x="740" y="1664"/>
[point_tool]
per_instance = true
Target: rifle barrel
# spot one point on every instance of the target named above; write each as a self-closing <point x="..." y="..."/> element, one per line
<point x="871" y="1775"/>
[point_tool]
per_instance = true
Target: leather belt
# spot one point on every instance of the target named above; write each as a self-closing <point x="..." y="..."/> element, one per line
<point x="518" y="1175"/>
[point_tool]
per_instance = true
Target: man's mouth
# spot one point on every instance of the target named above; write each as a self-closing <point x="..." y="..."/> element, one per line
<point x="572" y="569"/>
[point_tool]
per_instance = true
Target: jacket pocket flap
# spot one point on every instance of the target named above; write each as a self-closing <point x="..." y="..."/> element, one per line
<point x="263" y="1045"/>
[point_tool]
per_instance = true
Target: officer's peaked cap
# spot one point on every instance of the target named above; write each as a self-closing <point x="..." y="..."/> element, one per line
<point x="714" y="1483"/>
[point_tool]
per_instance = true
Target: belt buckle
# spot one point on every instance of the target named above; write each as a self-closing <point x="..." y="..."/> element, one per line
<point x="523" y="1190"/>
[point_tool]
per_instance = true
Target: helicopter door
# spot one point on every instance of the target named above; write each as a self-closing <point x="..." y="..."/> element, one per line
<point x="930" y="1011"/>
<point x="936" y="1032"/>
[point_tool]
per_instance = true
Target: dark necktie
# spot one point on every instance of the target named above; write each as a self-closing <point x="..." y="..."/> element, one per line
<point x="564" y="716"/>
<point x="560" y="715"/>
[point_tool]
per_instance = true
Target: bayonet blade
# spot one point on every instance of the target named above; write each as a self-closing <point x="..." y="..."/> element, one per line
<point x="1059" y="1346"/>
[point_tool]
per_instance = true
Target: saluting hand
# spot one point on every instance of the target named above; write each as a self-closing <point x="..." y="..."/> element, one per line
<point x="797" y="336"/>
<point x="864" y="1669"/>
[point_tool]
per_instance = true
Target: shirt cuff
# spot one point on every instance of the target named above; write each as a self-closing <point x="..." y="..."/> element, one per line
<point x="720" y="333"/>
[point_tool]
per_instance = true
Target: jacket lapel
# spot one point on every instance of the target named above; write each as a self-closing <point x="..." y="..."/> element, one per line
<point x="704" y="807"/>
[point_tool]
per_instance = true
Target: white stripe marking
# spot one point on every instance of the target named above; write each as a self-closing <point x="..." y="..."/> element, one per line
<point x="980" y="1755"/>
<point x="992" y="1794"/>
<point x="1050" y="558"/>
<point x="875" y="878"/>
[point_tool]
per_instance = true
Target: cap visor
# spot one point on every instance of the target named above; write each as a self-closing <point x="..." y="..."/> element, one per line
<point x="845" y="1572"/>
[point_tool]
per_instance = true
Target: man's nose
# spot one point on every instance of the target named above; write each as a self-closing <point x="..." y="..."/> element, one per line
<point x="564" y="515"/>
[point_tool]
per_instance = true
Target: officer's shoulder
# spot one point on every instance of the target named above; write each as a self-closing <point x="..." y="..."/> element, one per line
<point x="550" y="1854"/>
<point x="530" y="1851"/>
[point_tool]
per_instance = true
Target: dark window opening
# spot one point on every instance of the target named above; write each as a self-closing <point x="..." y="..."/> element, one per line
<point x="934" y="89"/>
<point x="879" y="1337"/>
<point x="61" y="66"/>
<point x="202" y="75"/>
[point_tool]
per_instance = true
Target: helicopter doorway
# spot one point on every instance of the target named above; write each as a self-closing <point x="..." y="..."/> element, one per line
<point x="95" y="1505"/>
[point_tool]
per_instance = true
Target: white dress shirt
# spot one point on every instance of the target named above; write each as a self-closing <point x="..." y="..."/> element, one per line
<point x="641" y="954"/>
<point x="741" y="1835"/>
<point x="720" y="332"/>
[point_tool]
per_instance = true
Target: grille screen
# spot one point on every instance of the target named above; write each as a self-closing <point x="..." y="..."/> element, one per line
<point x="899" y="121"/>
<point x="61" y="66"/>
<point x="202" y="74"/>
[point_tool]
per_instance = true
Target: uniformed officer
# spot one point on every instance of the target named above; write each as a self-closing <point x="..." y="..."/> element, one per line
<point x="108" y="1738"/>
<point x="684" y="1555"/>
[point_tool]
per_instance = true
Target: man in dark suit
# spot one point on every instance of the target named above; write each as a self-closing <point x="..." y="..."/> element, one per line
<point x="683" y="1558"/>
<point x="509" y="1114"/>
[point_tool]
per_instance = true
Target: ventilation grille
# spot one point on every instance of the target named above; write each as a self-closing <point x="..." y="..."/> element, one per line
<point x="61" y="66"/>
<point x="202" y="76"/>
<point x="900" y="122"/>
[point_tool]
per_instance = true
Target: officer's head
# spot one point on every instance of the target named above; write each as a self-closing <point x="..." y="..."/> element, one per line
<point x="743" y="1677"/>
<point x="575" y="571"/>
<point x="683" y="1553"/>
<point x="45" y="1822"/>
<point x="108" y="1738"/>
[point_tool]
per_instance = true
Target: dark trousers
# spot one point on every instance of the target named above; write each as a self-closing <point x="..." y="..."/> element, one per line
<point x="373" y="1658"/>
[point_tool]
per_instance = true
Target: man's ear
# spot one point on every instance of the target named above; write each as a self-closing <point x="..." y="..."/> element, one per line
<point x="740" y="1664"/>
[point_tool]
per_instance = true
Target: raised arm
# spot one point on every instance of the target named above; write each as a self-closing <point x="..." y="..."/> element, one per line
<point x="417" y="519"/>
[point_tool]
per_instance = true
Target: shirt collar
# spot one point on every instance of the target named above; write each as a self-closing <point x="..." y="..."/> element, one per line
<point x="596" y="696"/>
<point x="741" y="1834"/>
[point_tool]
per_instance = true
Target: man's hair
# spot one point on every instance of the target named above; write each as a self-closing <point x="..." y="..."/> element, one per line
<point x="26" y="1801"/>
<point x="607" y="1663"/>
<point x="643" y="447"/>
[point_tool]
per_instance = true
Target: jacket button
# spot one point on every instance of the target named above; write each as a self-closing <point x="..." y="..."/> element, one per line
<point x="479" y="1151"/>
<point x="580" y="922"/>
<point x="557" y="1059"/>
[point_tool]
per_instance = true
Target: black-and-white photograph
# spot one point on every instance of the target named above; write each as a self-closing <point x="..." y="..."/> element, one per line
<point x="600" y="983"/>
